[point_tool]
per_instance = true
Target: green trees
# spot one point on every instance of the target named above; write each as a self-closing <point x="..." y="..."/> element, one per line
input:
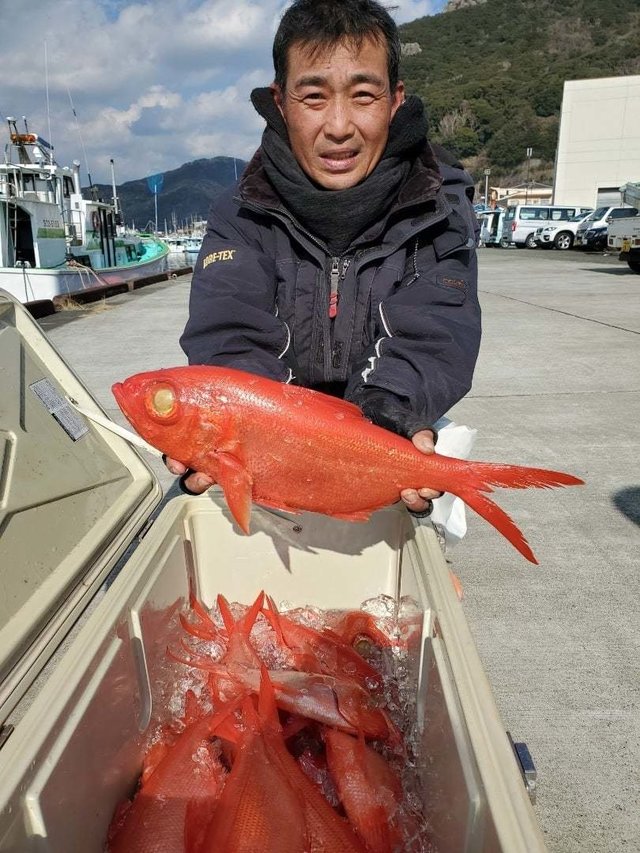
<point x="492" y="75"/>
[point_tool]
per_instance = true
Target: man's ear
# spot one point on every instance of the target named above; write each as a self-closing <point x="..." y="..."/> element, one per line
<point x="278" y="98"/>
<point x="397" y="98"/>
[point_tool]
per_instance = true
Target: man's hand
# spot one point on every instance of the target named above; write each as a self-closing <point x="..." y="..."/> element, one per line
<point x="197" y="482"/>
<point x="419" y="500"/>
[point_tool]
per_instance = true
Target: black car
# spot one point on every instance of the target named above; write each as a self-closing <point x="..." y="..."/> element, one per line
<point x="595" y="239"/>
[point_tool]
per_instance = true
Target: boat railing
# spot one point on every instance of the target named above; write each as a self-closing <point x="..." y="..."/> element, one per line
<point x="73" y="225"/>
<point x="9" y="184"/>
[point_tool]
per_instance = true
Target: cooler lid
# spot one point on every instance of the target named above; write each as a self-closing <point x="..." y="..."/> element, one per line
<point x="72" y="497"/>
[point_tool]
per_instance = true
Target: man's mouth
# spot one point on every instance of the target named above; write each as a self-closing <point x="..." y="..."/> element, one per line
<point x="339" y="161"/>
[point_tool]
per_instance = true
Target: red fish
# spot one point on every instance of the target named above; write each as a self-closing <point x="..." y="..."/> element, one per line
<point x="189" y="772"/>
<point x="369" y="790"/>
<point x="323" y="652"/>
<point x="268" y="803"/>
<point x="333" y="700"/>
<point x="261" y="807"/>
<point x="295" y="449"/>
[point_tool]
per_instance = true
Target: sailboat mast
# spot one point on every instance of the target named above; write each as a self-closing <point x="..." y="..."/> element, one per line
<point x="116" y="208"/>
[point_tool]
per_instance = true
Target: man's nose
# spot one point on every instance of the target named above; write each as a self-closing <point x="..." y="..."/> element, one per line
<point x="338" y="123"/>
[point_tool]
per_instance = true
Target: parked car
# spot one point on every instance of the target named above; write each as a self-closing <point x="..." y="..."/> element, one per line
<point x="594" y="239"/>
<point x="560" y="234"/>
<point x="521" y="221"/>
<point x="592" y="233"/>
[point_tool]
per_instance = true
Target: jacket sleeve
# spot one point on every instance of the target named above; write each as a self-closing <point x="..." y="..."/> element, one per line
<point x="423" y="361"/>
<point x="233" y="318"/>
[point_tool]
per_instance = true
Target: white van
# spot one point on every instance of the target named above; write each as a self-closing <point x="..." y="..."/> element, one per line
<point x="521" y="221"/>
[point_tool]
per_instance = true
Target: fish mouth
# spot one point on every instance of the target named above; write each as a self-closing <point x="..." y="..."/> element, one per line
<point x="118" y="391"/>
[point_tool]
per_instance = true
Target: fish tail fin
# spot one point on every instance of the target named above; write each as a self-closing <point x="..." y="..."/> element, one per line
<point x="468" y="480"/>
<point x="225" y="612"/>
<point x="484" y="475"/>
<point x="247" y="621"/>
<point x="272" y="615"/>
<point x="492" y="513"/>
<point x="245" y="624"/>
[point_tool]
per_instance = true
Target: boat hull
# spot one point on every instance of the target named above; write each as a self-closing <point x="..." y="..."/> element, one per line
<point x="32" y="284"/>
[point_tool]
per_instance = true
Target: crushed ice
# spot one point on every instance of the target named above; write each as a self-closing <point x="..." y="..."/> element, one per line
<point x="397" y="663"/>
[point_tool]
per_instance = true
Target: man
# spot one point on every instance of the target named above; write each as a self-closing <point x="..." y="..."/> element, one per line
<point x="345" y="259"/>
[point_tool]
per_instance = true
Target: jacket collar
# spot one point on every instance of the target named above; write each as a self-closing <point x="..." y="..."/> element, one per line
<point x="421" y="187"/>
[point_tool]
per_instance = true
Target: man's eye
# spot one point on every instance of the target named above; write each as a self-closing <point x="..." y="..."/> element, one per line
<point x="313" y="96"/>
<point x="364" y="97"/>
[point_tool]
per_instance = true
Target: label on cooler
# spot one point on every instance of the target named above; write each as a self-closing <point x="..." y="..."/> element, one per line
<point x="70" y="421"/>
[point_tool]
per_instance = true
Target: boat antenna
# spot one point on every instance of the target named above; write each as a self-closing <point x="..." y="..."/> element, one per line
<point x="46" y="81"/>
<point x="84" y="150"/>
<point x="116" y="208"/>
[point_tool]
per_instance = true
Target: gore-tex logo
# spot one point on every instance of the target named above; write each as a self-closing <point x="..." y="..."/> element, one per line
<point x="460" y="283"/>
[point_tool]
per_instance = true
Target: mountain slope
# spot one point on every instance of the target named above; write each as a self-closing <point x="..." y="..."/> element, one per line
<point x="492" y="74"/>
<point x="187" y="192"/>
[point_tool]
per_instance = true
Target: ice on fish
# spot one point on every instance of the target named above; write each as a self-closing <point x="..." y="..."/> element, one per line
<point x="396" y="662"/>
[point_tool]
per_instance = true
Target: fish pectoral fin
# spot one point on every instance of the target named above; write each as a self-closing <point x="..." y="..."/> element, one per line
<point x="237" y="484"/>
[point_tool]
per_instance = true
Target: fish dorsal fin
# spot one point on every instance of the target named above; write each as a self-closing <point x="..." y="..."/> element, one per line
<point x="237" y="484"/>
<point x="332" y="406"/>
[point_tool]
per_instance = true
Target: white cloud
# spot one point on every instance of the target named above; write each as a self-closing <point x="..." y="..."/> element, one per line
<point x="409" y="10"/>
<point x="154" y="83"/>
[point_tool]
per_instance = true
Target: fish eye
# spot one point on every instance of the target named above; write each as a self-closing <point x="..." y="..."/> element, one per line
<point x="163" y="401"/>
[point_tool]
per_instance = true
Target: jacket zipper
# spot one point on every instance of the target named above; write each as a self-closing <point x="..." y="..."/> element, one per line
<point x="338" y="273"/>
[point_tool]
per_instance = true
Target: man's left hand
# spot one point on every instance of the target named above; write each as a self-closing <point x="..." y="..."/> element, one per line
<point x="418" y="500"/>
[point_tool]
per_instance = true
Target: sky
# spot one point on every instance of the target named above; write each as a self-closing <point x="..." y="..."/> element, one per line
<point x="153" y="84"/>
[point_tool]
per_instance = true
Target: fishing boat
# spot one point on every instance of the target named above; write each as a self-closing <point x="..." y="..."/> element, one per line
<point x="193" y="244"/>
<point x="181" y="243"/>
<point x="176" y="243"/>
<point x="53" y="241"/>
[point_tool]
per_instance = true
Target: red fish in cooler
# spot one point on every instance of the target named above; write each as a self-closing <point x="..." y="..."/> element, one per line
<point x="189" y="772"/>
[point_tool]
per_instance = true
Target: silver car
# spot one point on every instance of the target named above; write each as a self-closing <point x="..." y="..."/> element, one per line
<point x="559" y="235"/>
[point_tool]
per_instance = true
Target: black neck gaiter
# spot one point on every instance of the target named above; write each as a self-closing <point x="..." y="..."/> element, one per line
<point x="339" y="216"/>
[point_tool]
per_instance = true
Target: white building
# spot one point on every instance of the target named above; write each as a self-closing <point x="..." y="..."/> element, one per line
<point x="599" y="141"/>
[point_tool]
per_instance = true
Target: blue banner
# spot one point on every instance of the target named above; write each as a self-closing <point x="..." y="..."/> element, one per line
<point x="154" y="182"/>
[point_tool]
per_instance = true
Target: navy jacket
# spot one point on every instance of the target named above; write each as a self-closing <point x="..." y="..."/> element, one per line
<point x="393" y="325"/>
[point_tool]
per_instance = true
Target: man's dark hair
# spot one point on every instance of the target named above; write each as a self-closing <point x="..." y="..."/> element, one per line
<point x="324" y="23"/>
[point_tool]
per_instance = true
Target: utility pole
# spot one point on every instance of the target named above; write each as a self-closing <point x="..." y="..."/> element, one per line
<point x="487" y="172"/>
<point x="526" y="191"/>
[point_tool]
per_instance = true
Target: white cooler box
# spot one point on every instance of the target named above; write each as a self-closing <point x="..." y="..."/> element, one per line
<point x="82" y="662"/>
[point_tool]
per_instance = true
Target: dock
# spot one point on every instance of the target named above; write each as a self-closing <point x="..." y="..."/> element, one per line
<point x="557" y="386"/>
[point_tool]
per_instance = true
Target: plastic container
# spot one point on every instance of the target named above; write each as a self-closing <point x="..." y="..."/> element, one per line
<point x="75" y="752"/>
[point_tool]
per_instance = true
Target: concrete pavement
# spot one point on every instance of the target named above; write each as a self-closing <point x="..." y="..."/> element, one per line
<point x="557" y="385"/>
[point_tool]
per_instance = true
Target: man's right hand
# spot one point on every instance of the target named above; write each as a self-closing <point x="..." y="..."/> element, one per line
<point x="197" y="482"/>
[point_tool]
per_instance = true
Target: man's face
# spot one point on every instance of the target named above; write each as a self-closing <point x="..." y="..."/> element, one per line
<point x="337" y="107"/>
